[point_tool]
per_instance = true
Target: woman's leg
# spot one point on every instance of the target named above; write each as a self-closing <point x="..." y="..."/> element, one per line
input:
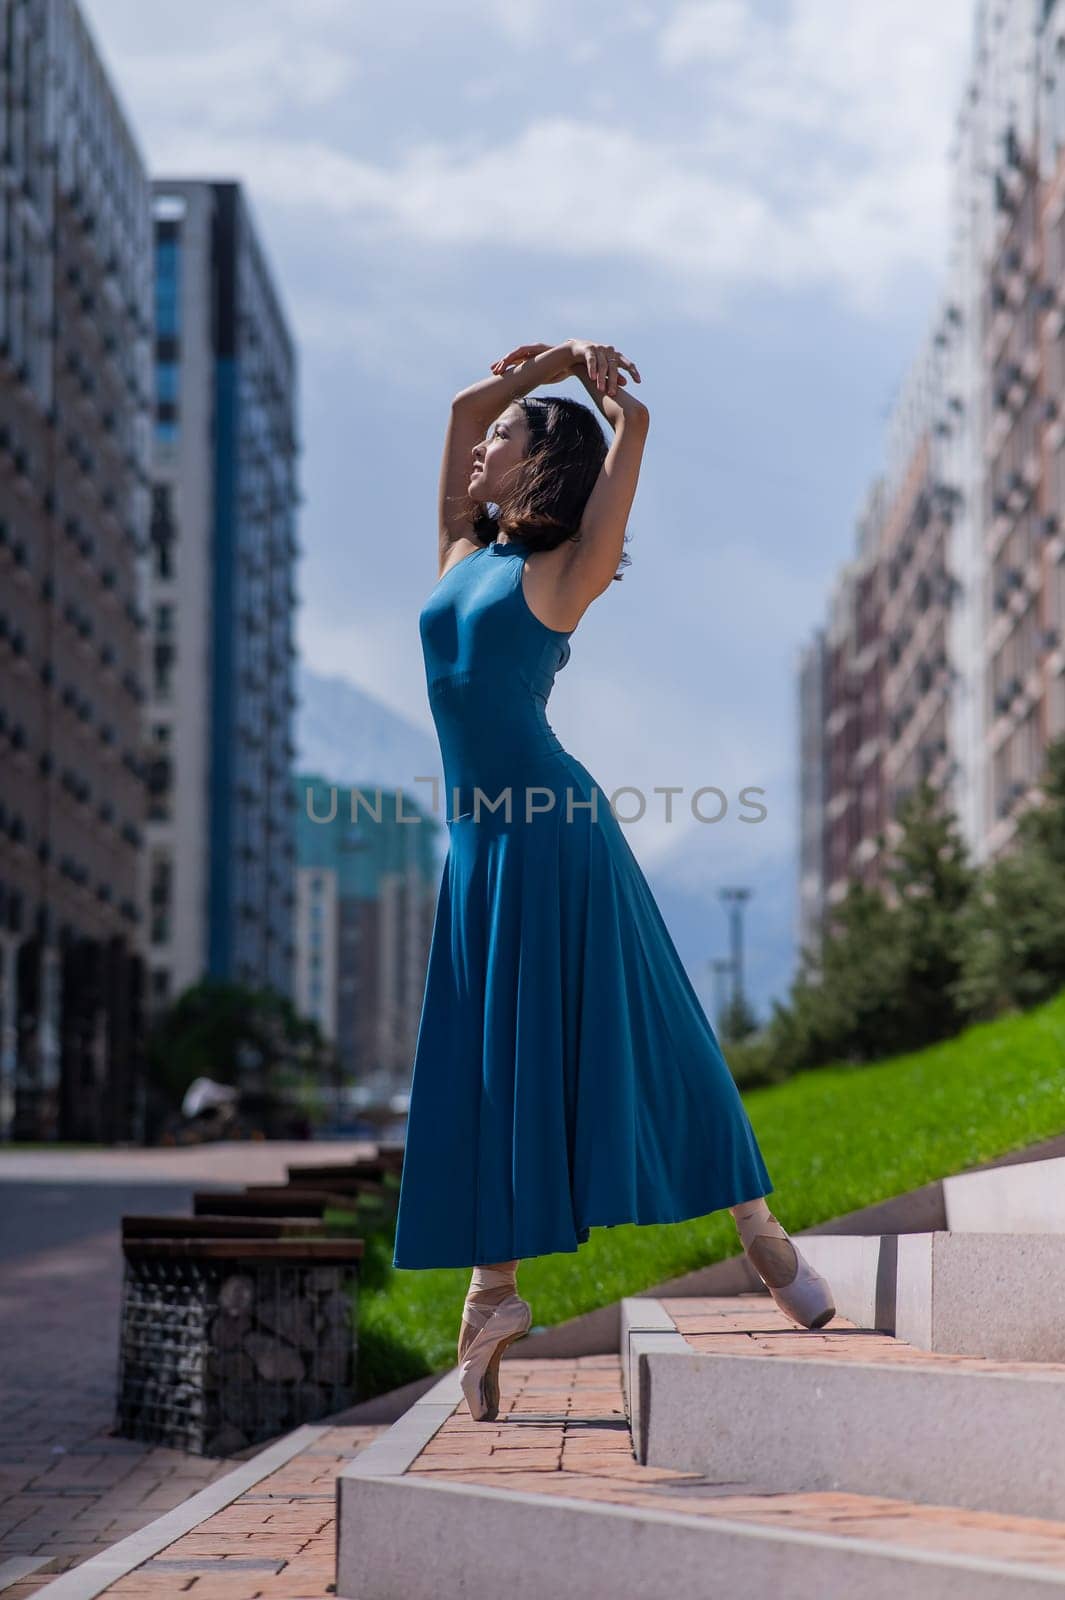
<point x="493" y="1317"/>
<point x="754" y="1220"/>
<point x="798" y="1290"/>
<point x="489" y="1286"/>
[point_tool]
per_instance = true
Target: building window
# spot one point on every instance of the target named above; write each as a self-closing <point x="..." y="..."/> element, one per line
<point x="163" y="661"/>
<point x="166" y="400"/>
<point x="166" y="383"/>
<point x="167" y="280"/>
<point x="162" y="530"/>
<point x="159" y="896"/>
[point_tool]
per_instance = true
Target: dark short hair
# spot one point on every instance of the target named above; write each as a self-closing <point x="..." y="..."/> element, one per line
<point x="550" y="487"/>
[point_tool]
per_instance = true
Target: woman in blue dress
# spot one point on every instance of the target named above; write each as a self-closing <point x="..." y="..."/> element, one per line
<point x="565" y="1074"/>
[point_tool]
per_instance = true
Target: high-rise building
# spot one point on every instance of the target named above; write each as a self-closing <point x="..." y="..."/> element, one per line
<point x="219" y="883"/>
<point x="969" y="562"/>
<point x="841" y="711"/>
<point x="811" y="672"/>
<point x="368" y="875"/>
<point x="75" y="323"/>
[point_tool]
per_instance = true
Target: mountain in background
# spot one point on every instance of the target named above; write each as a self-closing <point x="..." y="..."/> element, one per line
<point x="345" y="735"/>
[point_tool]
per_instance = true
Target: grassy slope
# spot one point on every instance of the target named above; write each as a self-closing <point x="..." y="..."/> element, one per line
<point x="833" y="1140"/>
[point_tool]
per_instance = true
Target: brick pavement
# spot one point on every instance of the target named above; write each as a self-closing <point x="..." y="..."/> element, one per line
<point x="561" y="1430"/>
<point x="276" y="1542"/>
<point x="750" y="1325"/>
<point x="67" y="1489"/>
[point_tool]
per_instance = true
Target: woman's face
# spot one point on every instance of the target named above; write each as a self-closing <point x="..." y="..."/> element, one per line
<point x="494" y="459"/>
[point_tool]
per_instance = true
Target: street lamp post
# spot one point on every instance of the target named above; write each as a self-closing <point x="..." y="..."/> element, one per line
<point x="735" y="899"/>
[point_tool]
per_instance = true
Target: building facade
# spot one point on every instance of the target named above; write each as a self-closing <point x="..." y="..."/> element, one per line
<point x="970" y="562"/>
<point x="368" y="874"/>
<point x="75" y="321"/>
<point x="219" y="877"/>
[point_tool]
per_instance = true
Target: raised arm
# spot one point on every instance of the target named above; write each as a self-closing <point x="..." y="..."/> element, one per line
<point x="472" y="410"/>
<point x="595" y="556"/>
<point x="587" y="567"/>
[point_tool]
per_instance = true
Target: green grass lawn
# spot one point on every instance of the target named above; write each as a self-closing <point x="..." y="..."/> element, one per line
<point x="833" y="1140"/>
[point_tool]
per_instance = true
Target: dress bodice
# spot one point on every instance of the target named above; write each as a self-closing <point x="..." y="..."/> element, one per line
<point x="490" y="665"/>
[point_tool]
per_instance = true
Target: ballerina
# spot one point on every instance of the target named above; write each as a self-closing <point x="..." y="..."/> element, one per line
<point x="565" y="1074"/>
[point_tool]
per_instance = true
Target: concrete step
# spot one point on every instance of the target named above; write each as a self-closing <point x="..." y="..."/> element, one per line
<point x="549" y="1500"/>
<point x="738" y="1391"/>
<point x="981" y="1294"/>
<point x="1028" y="1197"/>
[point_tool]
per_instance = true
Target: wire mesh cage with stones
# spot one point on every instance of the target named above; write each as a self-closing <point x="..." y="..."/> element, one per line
<point x="216" y="1355"/>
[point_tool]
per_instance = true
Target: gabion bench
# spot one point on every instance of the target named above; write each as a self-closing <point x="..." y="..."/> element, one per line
<point x="166" y="1226"/>
<point x="276" y="1200"/>
<point x="227" y="1342"/>
<point x="322" y="1177"/>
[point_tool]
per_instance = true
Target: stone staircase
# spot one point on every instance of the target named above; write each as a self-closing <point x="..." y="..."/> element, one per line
<point x="915" y="1447"/>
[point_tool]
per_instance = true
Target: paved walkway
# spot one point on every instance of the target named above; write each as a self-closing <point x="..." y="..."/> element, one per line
<point x="67" y="1489"/>
<point x="561" y="1430"/>
<point x="242" y="1161"/>
<point x="276" y="1542"/>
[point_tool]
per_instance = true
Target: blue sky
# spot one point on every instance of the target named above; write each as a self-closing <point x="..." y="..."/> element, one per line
<point x="748" y="199"/>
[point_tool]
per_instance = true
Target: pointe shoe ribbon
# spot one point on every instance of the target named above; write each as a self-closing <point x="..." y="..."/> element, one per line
<point x="800" y="1292"/>
<point x="479" y="1370"/>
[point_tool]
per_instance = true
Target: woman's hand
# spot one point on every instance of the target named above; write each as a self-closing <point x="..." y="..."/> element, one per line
<point x="601" y="363"/>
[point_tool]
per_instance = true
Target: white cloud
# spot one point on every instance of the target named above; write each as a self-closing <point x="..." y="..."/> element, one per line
<point x="817" y="156"/>
<point x="521" y="22"/>
<point x="245" y="81"/>
<point x="568" y="189"/>
<point x="841" y="112"/>
<point x="707" y="32"/>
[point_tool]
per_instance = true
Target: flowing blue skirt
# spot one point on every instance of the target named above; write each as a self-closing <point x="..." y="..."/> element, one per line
<point x="566" y="1075"/>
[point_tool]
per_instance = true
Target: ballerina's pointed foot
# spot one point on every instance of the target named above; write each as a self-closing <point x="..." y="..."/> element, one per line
<point x="479" y="1369"/>
<point x="800" y="1292"/>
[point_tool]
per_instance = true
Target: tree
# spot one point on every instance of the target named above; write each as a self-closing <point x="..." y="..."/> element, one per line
<point x="738" y="1019"/>
<point x="1013" y="940"/>
<point x="1042" y="828"/>
<point x="251" y="1038"/>
<point x="934" y="884"/>
<point x="849" y="1000"/>
<point x="882" y="979"/>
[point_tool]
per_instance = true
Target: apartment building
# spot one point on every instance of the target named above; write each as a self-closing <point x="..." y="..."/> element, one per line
<point x="367" y="886"/>
<point x="75" y="321"/>
<point x="963" y="599"/>
<point x="219" y="873"/>
<point x="811" y="673"/>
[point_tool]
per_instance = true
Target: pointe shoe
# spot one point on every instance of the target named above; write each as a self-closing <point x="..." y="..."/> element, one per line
<point x="800" y="1292"/>
<point x="479" y="1372"/>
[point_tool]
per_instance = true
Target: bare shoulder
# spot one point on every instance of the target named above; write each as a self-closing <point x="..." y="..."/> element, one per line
<point x="554" y="587"/>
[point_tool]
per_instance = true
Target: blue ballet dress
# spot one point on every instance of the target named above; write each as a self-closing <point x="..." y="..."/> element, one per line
<point x="565" y="1074"/>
